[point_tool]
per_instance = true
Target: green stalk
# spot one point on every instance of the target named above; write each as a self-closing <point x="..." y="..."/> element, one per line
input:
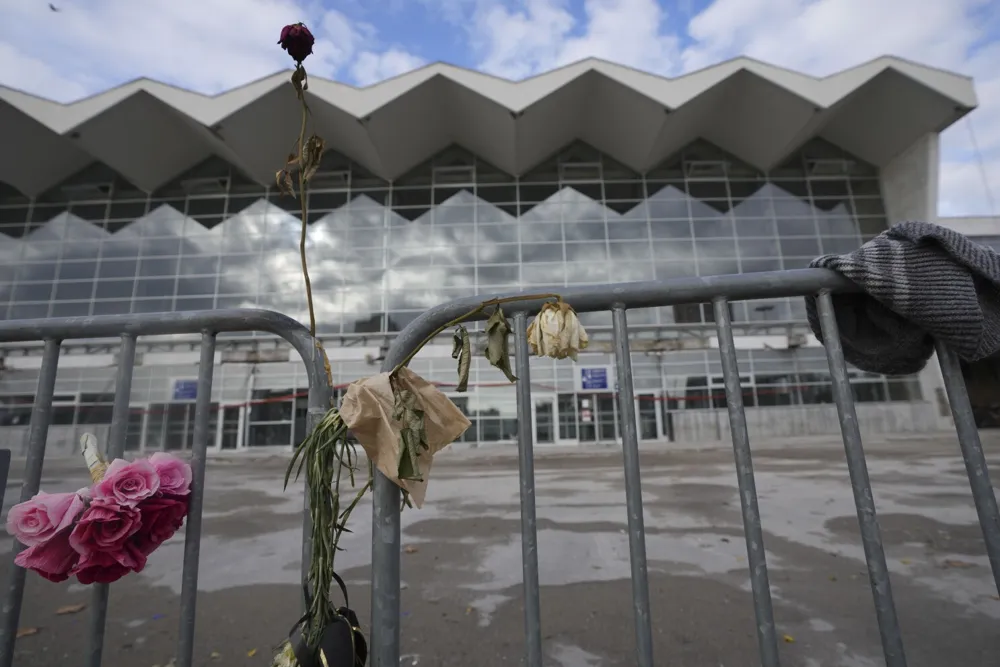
<point x="305" y="215"/>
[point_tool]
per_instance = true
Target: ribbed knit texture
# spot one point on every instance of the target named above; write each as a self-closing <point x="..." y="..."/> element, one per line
<point x="921" y="282"/>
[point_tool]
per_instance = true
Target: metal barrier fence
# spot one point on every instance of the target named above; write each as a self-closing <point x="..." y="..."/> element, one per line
<point x="619" y="299"/>
<point x="128" y="327"/>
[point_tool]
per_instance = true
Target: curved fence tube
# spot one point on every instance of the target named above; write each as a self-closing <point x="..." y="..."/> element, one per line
<point x="129" y="328"/>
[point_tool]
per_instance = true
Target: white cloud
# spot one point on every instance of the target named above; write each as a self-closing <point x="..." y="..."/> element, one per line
<point x="370" y="67"/>
<point x="88" y="47"/>
<point x="542" y="34"/>
<point x="25" y="72"/>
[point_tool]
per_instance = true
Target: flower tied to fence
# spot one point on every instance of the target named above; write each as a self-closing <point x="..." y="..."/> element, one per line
<point x="101" y="533"/>
<point x="400" y="419"/>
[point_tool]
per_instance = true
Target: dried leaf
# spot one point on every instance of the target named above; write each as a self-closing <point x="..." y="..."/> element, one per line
<point x="412" y="436"/>
<point x="215" y="655"/>
<point x="71" y="609"/>
<point x="956" y="564"/>
<point x="462" y="351"/>
<point x="251" y="653"/>
<point x="788" y="639"/>
<point x="283" y="178"/>
<point x="410" y="549"/>
<point x="497" y="348"/>
<point x="905" y="561"/>
<point x="26" y="632"/>
<point x="312" y="155"/>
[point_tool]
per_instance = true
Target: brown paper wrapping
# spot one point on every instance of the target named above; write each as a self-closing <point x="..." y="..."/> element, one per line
<point x="367" y="411"/>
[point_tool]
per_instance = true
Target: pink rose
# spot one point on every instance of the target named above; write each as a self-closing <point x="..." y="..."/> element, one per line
<point x="104" y="527"/>
<point x="53" y="559"/>
<point x="128" y="483"/>
<point x="102" y="567"/>
<point x="161" y="518"/>
<point x="175" y="475"/>
<point x="35" y="521"/>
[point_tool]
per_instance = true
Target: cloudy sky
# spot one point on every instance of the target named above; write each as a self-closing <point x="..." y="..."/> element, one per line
<point x="212" y="45"/>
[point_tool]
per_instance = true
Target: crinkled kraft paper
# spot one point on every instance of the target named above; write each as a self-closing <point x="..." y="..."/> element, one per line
<point x="367" y="411"/>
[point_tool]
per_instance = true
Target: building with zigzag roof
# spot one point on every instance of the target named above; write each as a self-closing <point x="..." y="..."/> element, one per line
<point x="443" y="183"/>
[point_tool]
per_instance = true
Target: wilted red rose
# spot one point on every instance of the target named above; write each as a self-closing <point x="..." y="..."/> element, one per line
<point x="102" y="567"/>
<point x="297" y="40"/>
<point x="162" y="516"/>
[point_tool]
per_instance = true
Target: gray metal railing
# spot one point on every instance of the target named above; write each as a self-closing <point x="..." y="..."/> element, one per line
<point x="128" y="328"/>
<point x="619" y="299"/>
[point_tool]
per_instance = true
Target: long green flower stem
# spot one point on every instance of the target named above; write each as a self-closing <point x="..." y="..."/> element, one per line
<point x="324" y="455"/>
<point x="305" y="214"/>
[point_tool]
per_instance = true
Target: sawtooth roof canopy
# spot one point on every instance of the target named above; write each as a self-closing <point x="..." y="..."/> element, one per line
<point x="150" y="132"/>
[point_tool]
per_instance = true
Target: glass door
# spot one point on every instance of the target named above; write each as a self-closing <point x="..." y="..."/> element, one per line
<point x="597" y="416"/>
<point x="646" y="416"/>
<point x="543" y="416"/>
<point x="554" y="419"/>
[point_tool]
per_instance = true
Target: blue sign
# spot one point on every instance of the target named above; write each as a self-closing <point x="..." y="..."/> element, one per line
<point x="594" y="378"/>
<point x="185" y="390"/>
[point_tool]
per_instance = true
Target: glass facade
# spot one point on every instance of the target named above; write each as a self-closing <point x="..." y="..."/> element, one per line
<point x="380" y="253"/>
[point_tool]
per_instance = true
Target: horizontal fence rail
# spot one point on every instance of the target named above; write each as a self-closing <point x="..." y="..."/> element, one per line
<point x="619" y="299"/>
<point x="129" y="328"/>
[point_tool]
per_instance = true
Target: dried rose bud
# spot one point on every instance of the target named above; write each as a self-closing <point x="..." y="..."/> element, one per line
<point x="297" y="40"/>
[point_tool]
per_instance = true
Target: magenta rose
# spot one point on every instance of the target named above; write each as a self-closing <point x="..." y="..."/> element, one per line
<point x="53" y="559"/>
<point x="162" y="516"/>
<point x="128" y="483"/>
<point x="297" y="40"/>
<point x="102" y="567"/>
<point x="37" y="520"/>
<point x="104" y="526"/>
<point x="175" y="475"/>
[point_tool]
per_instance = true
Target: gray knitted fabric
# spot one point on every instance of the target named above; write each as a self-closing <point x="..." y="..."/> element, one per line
<point x="921" y="282"/>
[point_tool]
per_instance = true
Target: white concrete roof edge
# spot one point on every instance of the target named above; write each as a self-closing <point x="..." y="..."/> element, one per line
<point x="62" y="117"/>
<point x="760" y="113"/>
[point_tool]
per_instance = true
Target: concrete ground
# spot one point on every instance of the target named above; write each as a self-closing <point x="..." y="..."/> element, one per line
<point x="462" y="568"/>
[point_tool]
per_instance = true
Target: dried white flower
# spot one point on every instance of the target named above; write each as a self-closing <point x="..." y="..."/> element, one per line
<point x="285" y="657"/>
<point x="557" y="332"/>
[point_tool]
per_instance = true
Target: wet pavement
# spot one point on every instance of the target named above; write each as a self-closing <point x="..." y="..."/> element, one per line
<point x="462" y="568"/>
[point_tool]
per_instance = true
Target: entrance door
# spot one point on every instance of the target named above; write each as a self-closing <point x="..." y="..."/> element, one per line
<point x="554" y="420"/>
<point x="646" y="416"/>
<point x="543" y="416"/>
<point x="598" y="417"/>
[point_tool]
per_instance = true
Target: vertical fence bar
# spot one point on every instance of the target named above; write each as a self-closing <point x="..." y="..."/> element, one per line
<point x="633" y="491"/>
<point x="529" y="525"/>
<point x="115" y="450"/>
<point x="972" y="454"/>
<point x="385" y="572"/>
<point x="38" y="433"/>
<point x="871" y="538"/>
<point x="767" y="637"/>
<point x="4" y="473"/>
<point x="192" y="538"/>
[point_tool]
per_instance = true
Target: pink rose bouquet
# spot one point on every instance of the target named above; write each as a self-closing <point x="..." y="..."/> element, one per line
<point x="102" y="533"/>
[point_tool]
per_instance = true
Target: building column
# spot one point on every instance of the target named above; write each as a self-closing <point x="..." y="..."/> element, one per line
<point x="910" y="184"/>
